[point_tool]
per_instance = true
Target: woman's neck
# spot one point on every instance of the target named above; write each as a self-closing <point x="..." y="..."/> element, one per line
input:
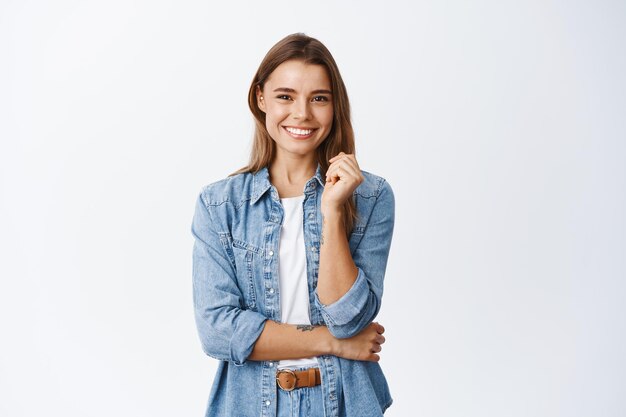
<point x="290" y="175"/>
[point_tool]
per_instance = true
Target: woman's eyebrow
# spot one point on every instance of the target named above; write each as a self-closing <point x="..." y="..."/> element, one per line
<point x="285" y="90"/>
<point x="291" y="90"/>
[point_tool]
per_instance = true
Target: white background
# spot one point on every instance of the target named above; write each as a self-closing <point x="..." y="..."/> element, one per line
<point x="500" y="125"/>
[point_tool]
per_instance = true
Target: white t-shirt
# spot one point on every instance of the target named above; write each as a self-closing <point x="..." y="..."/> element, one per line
<point x="294" y="290"/>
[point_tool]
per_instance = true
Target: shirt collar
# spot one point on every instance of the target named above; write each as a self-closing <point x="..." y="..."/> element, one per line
<point x="261" y="183"/>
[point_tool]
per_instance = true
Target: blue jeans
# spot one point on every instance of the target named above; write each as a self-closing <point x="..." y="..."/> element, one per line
<point x="300" y="402"/>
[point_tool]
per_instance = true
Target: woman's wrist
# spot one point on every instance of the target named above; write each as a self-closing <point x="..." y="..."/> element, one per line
<point x="331" y="211"/>
<point x="329" y="344"/>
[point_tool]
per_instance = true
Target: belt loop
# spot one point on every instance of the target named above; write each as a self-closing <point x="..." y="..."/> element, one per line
<point x="312" y="377"/>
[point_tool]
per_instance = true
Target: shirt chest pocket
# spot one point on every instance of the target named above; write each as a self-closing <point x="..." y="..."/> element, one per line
<point x="246" y="258"/>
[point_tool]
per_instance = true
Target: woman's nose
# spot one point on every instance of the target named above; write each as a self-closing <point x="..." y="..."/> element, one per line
<point x="301" y="110"/>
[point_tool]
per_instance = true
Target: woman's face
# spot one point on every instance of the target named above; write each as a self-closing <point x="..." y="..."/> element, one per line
<point x="298" y="106"/>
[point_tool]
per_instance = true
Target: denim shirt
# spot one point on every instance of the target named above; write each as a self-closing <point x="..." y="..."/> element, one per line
<point x="236" y="226"/>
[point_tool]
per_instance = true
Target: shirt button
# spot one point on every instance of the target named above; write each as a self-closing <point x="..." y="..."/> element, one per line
<point x="312" y="248"/>
<point x="271" y="363"/>
<point x="311" y="215"/>
<point x="271" y="290"/>
<point x="271" y="253"/>
<point x="267" y="402"/>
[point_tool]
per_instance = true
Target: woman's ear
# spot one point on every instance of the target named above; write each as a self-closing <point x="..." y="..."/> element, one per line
<point x="260" y="101"/>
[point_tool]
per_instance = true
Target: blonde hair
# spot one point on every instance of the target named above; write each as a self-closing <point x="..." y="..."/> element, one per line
<point x="298" y="46"/>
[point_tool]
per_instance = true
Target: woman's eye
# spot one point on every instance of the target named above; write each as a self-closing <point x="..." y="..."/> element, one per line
<point x="320" y="98"/>
<point x="283" y="97"/>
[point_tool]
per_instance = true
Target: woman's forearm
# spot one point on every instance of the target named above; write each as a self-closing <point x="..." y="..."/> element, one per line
<point x="280" y="341"/>
<point x="289" y="341"/>
<point x="337" y="271"/>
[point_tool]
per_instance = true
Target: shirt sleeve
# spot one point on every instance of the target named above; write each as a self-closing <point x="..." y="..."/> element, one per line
<point x="227" y="332"/>
<point x="359" y="306"/>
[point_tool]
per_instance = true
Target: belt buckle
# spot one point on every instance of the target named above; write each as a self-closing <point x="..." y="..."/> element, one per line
<point x="287" y="371"/>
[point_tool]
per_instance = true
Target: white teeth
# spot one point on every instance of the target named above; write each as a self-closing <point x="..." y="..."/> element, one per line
<point x="299" y="131"/>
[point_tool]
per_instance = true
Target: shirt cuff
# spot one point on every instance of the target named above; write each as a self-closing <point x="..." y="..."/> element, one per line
<point x="249" y="327"/>
<point x="350" y="305"/>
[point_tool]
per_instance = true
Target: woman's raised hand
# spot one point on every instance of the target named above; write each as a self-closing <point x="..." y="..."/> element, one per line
<point x="365" y="346"/>
<point x="342" y="178"/>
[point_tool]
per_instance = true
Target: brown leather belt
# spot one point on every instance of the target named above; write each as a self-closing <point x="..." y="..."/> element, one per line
<point x="288" y="379"/>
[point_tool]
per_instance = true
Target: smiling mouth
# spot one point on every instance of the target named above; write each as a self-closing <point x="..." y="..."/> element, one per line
<point x="299" y="133"/>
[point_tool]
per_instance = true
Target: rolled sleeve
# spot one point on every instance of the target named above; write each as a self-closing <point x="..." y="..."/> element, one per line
<point x="227" y="331"/>
<point x="349" y="306"/>
<point x="247" y="331"/>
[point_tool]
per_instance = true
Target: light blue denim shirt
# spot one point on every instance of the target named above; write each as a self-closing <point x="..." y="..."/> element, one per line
<point x="236" y="226"/>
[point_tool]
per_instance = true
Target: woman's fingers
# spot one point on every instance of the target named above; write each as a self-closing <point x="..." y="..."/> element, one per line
<point x="345" y="158"/>
<point x="379" y="327"/>
<point x="344" y="173"/>
<point x="344" y="168"/>
<point x="379" y="339"/>
<point x="364" y="346"/>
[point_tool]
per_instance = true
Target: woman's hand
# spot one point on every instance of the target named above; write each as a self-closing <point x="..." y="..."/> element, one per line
<point x="365" y="346"/>
<point x="342" y="178"/>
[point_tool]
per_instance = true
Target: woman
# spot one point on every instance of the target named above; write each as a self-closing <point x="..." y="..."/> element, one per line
<point x="294" y="337"/>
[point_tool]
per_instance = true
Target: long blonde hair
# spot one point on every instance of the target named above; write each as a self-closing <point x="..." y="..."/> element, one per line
<point x="298" y="46"/>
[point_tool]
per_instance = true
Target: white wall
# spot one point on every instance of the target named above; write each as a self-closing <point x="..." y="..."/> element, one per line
<point x="500" y="125"/>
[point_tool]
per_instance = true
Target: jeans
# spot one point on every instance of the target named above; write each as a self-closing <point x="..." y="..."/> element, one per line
<point x="301" y="402"/>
